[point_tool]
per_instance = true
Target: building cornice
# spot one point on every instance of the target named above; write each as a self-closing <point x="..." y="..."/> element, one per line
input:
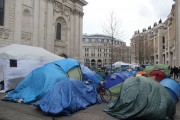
<point x="81" y="2"/>
<point x="60" y="6"/>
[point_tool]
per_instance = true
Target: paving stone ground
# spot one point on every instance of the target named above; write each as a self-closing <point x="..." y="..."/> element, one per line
<point x="18" y="111"/>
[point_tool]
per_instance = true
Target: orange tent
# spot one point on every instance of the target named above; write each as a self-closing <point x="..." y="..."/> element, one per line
<point x="141" y="73"/>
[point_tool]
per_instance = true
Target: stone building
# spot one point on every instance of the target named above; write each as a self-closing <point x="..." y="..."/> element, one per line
<point x="97" y="50"/>
<point x="177" y="31"/>
<point x="55" y="25"/>
<point x="159" y="44"/>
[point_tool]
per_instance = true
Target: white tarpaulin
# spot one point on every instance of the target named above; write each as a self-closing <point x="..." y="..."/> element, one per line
<point x="120" y="63"/>
<point x="21" y="52"/>
<point x="16" y="61"/>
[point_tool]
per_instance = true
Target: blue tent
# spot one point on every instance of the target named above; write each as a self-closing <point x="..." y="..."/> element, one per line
<point x="123" y="76"/>
<point x="40" y="81"/>
<point x="133" y="72"/>
<point x="88" y="74"/>
<point x="114" y="79"/>
<point x="127" y="73"/>
<point x="173" y="85"/>
<point x="67" y="97"/>
<point x="173" y="94"/>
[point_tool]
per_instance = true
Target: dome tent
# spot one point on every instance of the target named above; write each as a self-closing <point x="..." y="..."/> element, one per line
<point x="164" y="68"/>
<point x="54" y="90"/>
<point x="88" y="74"/>
<point x="173" y="85"/>
<point x="16" y="61"/>
<point x="142" y="98"/>
<point x="68" y="96"/>
<point x="113" y="82"/>
<point x="158" y="74"/>
<point x="120" y="64"/>
<point x="114" y="79"/>
<point x="41" y="80"/>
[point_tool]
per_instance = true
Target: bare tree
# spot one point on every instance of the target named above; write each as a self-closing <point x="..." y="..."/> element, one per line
<point x="111" y="28"/>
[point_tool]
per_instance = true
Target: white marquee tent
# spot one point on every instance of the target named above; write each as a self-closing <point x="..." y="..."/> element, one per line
<point x="120" y="63"/>
<point x="16" y="61"/>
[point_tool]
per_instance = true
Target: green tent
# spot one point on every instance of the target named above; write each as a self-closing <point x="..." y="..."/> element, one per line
<point x="101" y="73"/>
<point x="143" y="99"/>
<point x="164" y="68"/>
<point x="115" y="90"/>
<point x="75" y="73"/>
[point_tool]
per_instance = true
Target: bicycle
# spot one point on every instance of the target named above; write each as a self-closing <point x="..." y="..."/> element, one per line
<point x="105" y="94"/>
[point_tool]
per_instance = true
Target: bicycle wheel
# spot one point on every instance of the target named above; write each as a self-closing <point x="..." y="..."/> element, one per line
<point x="105" y="95"/>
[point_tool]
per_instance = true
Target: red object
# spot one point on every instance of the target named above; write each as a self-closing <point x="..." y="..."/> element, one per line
<point x="159" y="75"/>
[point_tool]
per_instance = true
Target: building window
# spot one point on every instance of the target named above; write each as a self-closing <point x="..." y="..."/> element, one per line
<point x="58" y="31"/>
<point x="1" y="12"/>
<point x="163" y="47"/>
<point x="163" y="39"/>
<point x="26" y="21"/>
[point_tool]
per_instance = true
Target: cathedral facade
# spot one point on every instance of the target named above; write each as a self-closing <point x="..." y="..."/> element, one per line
<point x="55" y="25"/>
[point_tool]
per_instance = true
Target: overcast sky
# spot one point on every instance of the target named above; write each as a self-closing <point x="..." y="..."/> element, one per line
<point x="132" y="14"/>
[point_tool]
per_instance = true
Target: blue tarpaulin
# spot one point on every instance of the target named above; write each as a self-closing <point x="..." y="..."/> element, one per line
<point x="40" y="81"/>
<point x="50" y="89"/>
<point x="67" y="97"/>
<point x="88" y="74"/>
<point x="171" y="84"/>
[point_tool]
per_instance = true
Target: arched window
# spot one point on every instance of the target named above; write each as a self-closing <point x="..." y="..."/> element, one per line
<point x="26" y="21"/>
<point x="1" y="12"/>
<point x="93" y="62"/>
<point x="99" y="62"/>
<point x="58" y="31"/>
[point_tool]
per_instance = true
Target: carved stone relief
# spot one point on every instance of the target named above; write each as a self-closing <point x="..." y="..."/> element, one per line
<point x="52" y="1"/>
<point x="59" y="50"/>
<point x="67" y="10"/>
<point x="26" y="37"/>
<point x="1" y="33"/>
<point x="60" y="7"/>
<point x="77" y="12"/>
<point x="4" y="33"/>
<point x="28" y="3"/>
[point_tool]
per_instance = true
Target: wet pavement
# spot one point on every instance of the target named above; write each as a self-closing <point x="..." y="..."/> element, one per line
<point x="18" y="111"/>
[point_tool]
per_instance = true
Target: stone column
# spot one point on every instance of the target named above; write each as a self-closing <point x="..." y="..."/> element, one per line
<point x="50" y="40"/>
<point x="168" y="40"/>
<point x="41" y="23"/>
<point x="177" y="10"/>
<point x="154" y="47"/>
<point x="72" y="35"/>
<point x="18" y="21"/>
<point x="80" y="40"/>
<point x="160" y="50"/>
<point x="36" y="23"/>
<point x="76" y="37"/>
